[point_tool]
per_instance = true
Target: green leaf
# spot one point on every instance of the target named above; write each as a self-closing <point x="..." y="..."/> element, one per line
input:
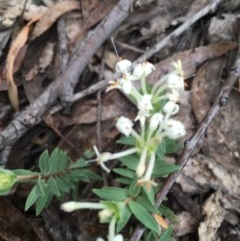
<point x="61" y="184"/>
<point x="172" y="146"/>
<point x="130" y="161"/>
<point x="163" y="168"/>
<point x="44" y="163"/>
<point x="124" y="180"/>
<point x="143" y="216"/>
<point x="32" y="198"/>
<point x="53" y="186"/>
<point x="134" y="189"/>
<point x="79" y="164"/>
<point x="161" y="151"/>
<point x="41" y="187"/>
<point x="125" y="172"/>
<point x="130" y="141"/>
<point x="23" y="172"/>
<point x="89" y="175"/>
<point x="43" y="202"/>
<point x="143" y="201"/>
<point x="167" y="212"/>
<point x="112" y="193"/>
<point x="166" y="235"/>
<point x="149" y="193"/>
<point x="124" y="219"/>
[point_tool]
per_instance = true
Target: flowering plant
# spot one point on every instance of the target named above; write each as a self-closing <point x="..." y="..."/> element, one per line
<point x="143" y="162"/>
<point x="149" y="137"/>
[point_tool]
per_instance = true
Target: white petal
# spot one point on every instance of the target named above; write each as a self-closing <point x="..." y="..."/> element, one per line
<point x="144" y="68"/>
<point x="174" y="129"/>
<point x="124" y="125"/>
<point x="171" y="108"/>
<point x="123" y="66"/>
<point x="155" y="121"/>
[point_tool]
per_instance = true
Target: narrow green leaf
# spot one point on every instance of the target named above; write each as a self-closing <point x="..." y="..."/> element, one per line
<point x="143" y="201"/>
<point x="112" y="193"/>
<point x="124" y="180"/>
<point x="172" y="146"/>
<point x="32" y="198"/>
<point x="79" y="164"/>
<point x="124" y="219"/>
<point x="130" y="161"/>
<point x="59" y="160"/>
<point x="149" y="192"/>
<point x="89" y="175"/>
<point x="166" y="235"/>
<point x="23" y="172"/>
<point x="125" y="172"/>
<point x="130" y="141"/>
<point x="143" y="216"/>
<point x="41" y="187"/>
<point x="44" y="163"/>
<point x="61" y="184"/>
<point x="53" y="188"/>
<point x="134" y="189"/>
<point x="167" y="212"/>
<point x="43" y="202"/>
<point x="163" y="168"/>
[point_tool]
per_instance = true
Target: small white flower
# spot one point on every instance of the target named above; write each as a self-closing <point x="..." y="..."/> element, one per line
<point x="143" y="69"/>
<point x="175" y="82"/>
<point x="72" y="206"/>
<point x="124" y="125"/>
<point x="171" y="108"/>
<point x="123" y="66"/>
<point x="145" y="104"/>
<point x="174" y="129"/>
<point x="155" y="121"/>
<point x="144" y="107"/>
<point x="126" y="84"/>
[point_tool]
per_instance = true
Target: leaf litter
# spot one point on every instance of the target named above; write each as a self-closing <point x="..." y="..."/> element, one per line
<point x="214" y="172"/>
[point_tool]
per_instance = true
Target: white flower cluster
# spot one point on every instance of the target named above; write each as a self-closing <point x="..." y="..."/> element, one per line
<point x="158" y="122"/>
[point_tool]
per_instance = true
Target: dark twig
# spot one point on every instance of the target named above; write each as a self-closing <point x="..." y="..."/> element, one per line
<point x="178" y="31"/>
<point x="220" y="101"/>
<point x="65" y="83"/>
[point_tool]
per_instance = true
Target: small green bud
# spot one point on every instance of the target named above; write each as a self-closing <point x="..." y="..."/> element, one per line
<point x="7" y="180"/>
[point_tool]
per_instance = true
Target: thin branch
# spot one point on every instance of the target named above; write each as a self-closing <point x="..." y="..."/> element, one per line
<point x="64" y="85"/>
<point x="178" y="31"/>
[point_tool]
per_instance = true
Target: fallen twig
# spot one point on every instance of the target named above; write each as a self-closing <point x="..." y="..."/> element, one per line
<point x="64" y="85"/>
<point x="178" y="31"/>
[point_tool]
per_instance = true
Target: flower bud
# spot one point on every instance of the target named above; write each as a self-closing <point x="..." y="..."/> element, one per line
<point x="174" y="129"/>
<point x="7" y="180"/>
<point x="123" y="66"/>
<point x="143" y="69"/>
<point x="105" y="215"/>
<point x="171" y="108"/>
<point x="155" y="121"/>
<point x="124" y="125"/>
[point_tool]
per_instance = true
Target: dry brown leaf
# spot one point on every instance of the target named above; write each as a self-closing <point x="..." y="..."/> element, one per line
<point x="52" y="14"/>
<point x="191" y="59"/>
<point x="16" y="46"/>
<point x="161" y="221"/>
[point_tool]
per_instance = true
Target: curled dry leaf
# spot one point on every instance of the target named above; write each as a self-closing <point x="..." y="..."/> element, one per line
<point x="16" y="46"/>
<point x="52" y="14"/>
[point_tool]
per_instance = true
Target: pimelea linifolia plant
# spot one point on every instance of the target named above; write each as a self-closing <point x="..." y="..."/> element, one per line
<point x="151" y="135"/>
<point x="142" y="161"/>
